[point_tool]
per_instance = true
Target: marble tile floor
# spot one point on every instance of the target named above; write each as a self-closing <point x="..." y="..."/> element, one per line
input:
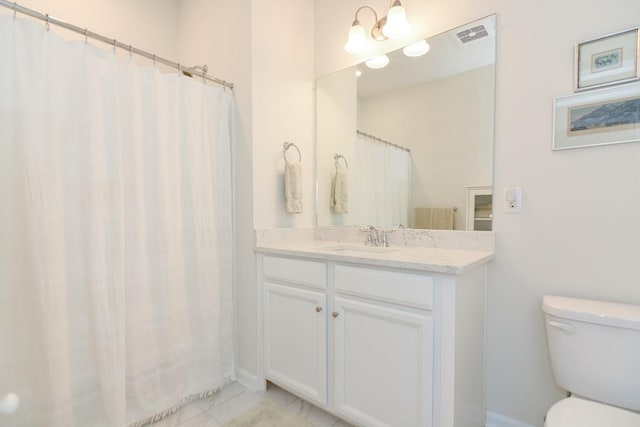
<point x="234" y="399"/>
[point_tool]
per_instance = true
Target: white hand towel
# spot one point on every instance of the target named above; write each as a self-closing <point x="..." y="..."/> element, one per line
<point x="339" y="193"/>
<point x="293" y="186"/>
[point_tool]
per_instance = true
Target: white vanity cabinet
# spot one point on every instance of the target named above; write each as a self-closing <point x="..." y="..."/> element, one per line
<point x="377" y="346"/>
<point x="382" y="350"/>
<point x="295" y="326"/>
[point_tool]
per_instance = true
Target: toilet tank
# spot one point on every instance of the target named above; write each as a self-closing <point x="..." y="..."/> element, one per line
<point x="595" y="349"/>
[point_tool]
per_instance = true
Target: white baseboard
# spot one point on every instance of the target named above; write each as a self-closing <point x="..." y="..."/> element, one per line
<point x="498" y="420"/>
<point x="248" y="380"/>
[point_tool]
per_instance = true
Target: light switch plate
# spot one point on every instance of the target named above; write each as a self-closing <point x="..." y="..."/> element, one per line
<point x="512" y="200"/>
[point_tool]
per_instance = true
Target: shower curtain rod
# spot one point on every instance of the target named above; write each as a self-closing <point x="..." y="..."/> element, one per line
<point x="383" y="141"/>
<point x="199" y="71"/>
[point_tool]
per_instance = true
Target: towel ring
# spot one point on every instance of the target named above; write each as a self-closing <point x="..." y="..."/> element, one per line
<point x="286" y="145"/>
<point x="337" y="157"/>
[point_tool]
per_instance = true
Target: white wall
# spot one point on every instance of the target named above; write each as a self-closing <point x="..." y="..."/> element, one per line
<point x="577" y="234"/>
<point x="283" y="105"/>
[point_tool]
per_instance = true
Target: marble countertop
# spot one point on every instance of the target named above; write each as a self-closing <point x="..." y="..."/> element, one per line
<point x="432" y="259"/>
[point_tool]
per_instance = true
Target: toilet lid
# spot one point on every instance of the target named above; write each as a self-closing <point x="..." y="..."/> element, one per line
<point x="577" y="412"/>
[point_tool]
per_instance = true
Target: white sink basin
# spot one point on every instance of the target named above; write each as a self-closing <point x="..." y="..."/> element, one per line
<point x="365" y="249"/>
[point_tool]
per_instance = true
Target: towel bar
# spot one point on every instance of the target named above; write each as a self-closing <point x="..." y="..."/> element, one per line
<point x="286" y="145"/>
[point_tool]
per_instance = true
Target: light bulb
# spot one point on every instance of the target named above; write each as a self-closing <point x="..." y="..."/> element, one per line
<point x="378" y="62"/>
<point x="357" y="40"/>
<point x="397" y="25"/>
<point x="416" y="49"/>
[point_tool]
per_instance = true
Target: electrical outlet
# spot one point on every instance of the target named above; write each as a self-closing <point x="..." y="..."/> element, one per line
<point x="513" y="199"/>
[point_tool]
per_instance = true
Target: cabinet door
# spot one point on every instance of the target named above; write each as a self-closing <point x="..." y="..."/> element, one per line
<point x="295" y="340"/>
<point x="383" y="364"/>
<point x="479" y="208"/>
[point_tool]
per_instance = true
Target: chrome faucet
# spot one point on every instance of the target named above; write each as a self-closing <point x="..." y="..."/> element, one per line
<point x="399" y="226"/>
<point x="375" y="237"/>
<point x="383" y="240"/>
<point x="372" y="235"/>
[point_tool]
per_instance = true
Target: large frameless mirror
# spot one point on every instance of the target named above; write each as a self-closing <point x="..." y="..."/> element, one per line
<point x="411" y="143"/>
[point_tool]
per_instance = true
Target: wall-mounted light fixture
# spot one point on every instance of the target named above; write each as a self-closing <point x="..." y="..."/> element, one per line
<point x="392" y="26"/>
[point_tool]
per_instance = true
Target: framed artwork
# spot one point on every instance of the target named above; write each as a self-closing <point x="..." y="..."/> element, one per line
<point x="599" y="117"/>
<point x="608" y="60"/>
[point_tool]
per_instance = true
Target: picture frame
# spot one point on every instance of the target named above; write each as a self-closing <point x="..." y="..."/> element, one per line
<point x="598" y="117"/>
<point x="608" y="60"/>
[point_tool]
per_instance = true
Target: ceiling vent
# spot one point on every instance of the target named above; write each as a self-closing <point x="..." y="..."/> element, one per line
<point x="471" y="34"/>
<point x="477" y="31"/>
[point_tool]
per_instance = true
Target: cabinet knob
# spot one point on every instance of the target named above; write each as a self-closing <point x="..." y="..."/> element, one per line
<point x="318" y="309"/>
<point x="335" y="314"/>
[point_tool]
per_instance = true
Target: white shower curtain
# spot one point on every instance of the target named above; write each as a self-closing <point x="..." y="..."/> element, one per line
<point x="383" y="183"/>
<point x="115" y="233"/>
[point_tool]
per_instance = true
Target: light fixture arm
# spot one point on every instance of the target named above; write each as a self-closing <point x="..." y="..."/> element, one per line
<point x="376" y="31"/>
<point x="355" y="20"/>
<point x="392" y="26"/>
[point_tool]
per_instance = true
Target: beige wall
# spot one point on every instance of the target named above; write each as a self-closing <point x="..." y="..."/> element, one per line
<point x="576" y="234"/>
<point x="283" y="106"/>
<point x="152" y="29"/>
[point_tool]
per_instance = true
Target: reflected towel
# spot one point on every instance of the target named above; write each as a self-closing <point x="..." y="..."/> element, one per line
<point x="434" y="218"/>
<point x="293" y="186"/>
<point x="339" y="193"/>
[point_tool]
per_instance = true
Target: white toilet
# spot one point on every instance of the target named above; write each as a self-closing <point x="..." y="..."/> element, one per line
<point x="595" y="354"/>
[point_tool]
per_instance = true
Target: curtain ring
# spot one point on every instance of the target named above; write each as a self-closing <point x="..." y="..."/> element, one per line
<point x="86" y="38"/>
<point x="15" y="9"/>
<point x="114" y="46"/>
<point x="179" y="69"/>
<point x="46" y="24"/>
<point x="130" y="52"/>
<point x="204" y="73"/>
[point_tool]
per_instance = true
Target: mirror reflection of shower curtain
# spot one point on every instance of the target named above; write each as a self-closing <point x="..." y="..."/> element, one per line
<point x="115" y="233"/>
<point x="382" y="183"/>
